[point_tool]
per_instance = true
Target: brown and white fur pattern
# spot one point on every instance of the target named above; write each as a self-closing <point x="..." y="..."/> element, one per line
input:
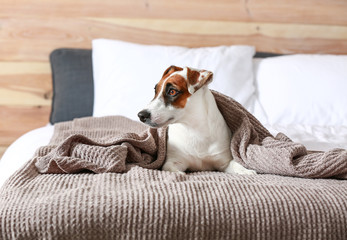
<point x="198" y="136"/>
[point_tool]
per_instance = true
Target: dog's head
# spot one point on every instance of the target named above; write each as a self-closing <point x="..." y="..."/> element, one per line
<point x="172" y="93"/>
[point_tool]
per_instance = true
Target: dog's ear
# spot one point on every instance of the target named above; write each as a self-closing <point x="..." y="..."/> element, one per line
<point x="171" y="69"/>
<point x="197" y="79"/>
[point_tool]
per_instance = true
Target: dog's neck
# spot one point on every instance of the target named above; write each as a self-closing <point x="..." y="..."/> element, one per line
<point x="202" y="114"/>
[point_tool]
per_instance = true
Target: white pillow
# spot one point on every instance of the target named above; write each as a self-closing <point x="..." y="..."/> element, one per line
<point x="125" y="73"/>
<point x="303" y="89"/>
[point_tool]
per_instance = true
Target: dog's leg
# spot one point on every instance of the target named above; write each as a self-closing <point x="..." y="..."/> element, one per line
<point x="235" y="167"/>
<point x="174" y="166"/>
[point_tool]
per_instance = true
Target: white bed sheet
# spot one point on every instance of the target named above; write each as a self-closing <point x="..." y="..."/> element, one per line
<point x="314" y="138"/>
<point x="20" y="151"/>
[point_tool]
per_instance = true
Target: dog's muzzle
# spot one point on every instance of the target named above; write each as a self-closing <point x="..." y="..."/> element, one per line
<point x="144" y="115"/>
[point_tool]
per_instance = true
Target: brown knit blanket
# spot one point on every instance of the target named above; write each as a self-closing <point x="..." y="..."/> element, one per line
<point x="108" y="144"/>
<point x="145" y="203"/>
<point x="117" y="144"/>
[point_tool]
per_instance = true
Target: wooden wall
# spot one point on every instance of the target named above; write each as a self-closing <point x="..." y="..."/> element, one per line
<point x="30" y="30"/>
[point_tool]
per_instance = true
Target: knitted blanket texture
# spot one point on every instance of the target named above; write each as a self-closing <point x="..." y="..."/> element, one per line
<point x="100" y="178"/>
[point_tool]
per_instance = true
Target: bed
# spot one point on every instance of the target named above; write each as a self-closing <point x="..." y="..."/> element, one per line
<point x="82" y="197"/>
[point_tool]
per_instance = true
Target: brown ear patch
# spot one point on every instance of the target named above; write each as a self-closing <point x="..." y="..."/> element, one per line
<point x="193" y="76"/>
<point x="171" y="69"/>
<point x="197" y="79"/>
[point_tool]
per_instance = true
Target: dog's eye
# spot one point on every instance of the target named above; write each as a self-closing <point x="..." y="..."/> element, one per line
<point x="173" y="92"/>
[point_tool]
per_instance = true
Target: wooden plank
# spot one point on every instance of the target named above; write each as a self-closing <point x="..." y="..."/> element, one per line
<point x="286" y="11"/>
<point x="43" y="38"/>
<point x="14" y="68"/>
<point x="15" y="81"/>
<point x="2" y="151"/>
<point x="202" y="27"/>
<point x="32" y="39"/>
<point x="25" y="90"/>
<point x="299" y="11"/>
<point x="23" y="97"/>
<point x="25" y="84"/>
<point x="15" y="121"/>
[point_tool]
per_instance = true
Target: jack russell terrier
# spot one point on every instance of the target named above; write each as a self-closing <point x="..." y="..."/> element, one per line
<point x="198" y="136"/>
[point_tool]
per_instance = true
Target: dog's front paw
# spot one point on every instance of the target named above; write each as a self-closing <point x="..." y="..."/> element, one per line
<point x="247" y="172"/>
<point x="174" y="167"/>
<point x="237" y="168"/>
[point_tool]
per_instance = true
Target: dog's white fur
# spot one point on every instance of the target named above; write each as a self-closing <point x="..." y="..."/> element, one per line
<point x="198" y="136"/>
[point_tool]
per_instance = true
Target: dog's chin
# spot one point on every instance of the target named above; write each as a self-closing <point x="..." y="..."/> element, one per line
<point x="155" y="124"/>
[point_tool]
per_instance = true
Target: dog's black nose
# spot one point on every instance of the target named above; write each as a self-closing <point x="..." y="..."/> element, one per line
<point x="144" y="115"/>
